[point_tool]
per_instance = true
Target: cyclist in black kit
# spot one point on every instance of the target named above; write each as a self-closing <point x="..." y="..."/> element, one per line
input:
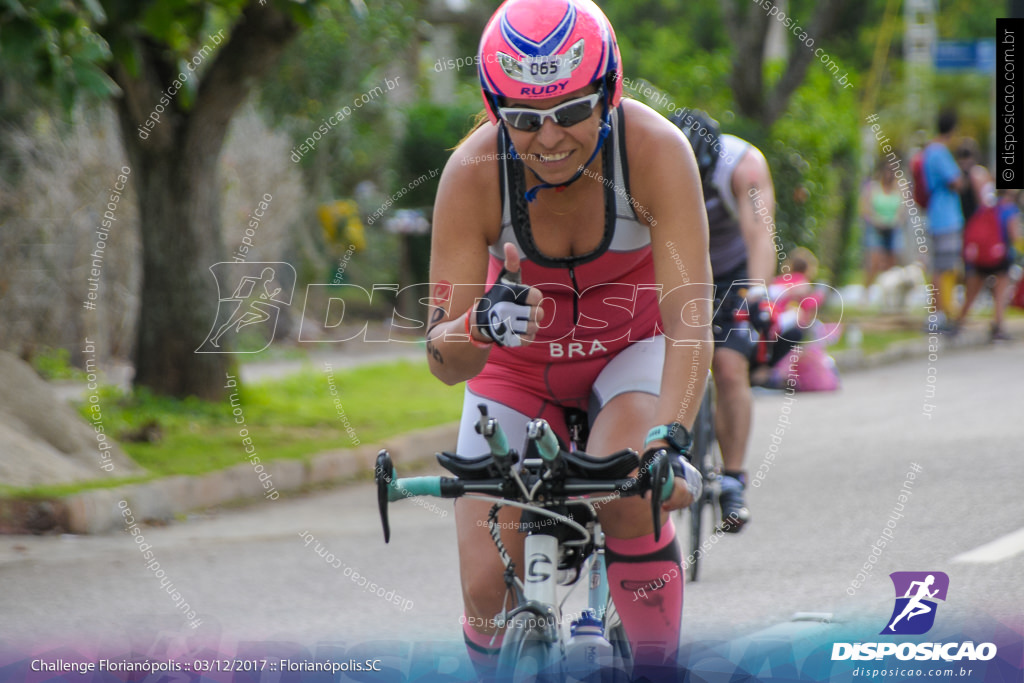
<point x="740" y="201"/>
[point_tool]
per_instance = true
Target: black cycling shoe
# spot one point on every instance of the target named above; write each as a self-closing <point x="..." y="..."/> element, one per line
<point x="734" y="509"/>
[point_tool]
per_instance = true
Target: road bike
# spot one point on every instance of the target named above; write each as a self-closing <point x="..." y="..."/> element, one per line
<point x="705" y="512"/>
<point x="705" y="456"/>
<point x="558" y="491"/>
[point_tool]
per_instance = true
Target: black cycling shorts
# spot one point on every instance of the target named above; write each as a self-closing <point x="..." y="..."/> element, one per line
<point x="986" y="271"/>
<point x="727" y="332"/>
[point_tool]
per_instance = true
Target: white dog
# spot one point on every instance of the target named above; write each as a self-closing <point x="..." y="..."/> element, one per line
<point x="895" y="286"/>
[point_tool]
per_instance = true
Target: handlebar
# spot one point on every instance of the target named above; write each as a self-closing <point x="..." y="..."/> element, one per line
<point x="540" y="432"/>
<point x="561" y="476"/>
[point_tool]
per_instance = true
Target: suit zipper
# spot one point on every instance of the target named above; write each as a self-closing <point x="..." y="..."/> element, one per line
<point x="575" y="298"/>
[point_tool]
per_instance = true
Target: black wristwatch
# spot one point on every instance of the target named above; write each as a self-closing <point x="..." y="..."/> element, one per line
<point x="676" y="435"/>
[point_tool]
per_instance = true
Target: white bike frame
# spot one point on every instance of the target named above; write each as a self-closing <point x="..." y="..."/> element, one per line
<point x="540" y="576"/>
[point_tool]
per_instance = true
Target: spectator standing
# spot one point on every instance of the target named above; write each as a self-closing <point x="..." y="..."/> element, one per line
<point x="883" y="212"/>
<point x="944" y="181"/>
<point x="978" y="188"/>
<point x="1008" y="222"/>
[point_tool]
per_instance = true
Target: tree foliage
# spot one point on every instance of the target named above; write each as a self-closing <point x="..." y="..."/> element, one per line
<point x="53" y="43"/>
<point x="805" y="122"/>
<point x="341" y="58"/>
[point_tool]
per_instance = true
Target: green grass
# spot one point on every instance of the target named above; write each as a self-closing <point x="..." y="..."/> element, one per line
<point x="293" y="417"/>
<point x="275" y="353"/>
<point x="53" y="364"/>
<point x="61" y="490"/>
<point x="876" y="341"/>
<point x="290" y="418"/>
<point x="873" y="340"/>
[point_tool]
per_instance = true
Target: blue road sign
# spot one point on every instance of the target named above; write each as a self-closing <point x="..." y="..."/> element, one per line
<point x="965" y="55"/>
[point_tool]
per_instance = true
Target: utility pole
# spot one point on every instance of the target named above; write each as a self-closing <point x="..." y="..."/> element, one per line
<point x="919" y="39"/>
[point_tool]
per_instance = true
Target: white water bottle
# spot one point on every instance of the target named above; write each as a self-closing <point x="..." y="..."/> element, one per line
<point x="588" y="652"/>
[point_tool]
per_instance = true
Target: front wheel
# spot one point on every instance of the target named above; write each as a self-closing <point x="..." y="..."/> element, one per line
<point x="702" y="457"/>
<point x="527" y="653"/>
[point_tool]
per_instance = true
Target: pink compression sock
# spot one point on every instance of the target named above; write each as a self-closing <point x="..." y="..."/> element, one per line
<point x="483" y="653"/>
<point x="646" y="583"/>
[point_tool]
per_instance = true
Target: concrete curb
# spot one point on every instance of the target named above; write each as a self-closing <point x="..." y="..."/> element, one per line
<point x="99" y="511"/>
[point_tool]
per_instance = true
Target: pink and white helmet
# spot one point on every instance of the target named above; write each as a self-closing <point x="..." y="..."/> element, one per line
<point x="536" y="49"/>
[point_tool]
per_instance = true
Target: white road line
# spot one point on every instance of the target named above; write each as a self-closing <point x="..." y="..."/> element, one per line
<point x="995" y="551"/>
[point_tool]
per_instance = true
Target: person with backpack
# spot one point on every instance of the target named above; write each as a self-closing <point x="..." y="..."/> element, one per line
<point x="988" y="253"/>
<point x="978" y="188"/>
<point x="942" y="180"/>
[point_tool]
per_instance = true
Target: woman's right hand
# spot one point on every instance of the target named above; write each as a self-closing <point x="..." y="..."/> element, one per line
<point x="509" y="313"/>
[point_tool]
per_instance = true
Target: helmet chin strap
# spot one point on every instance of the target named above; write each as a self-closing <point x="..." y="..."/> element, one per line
<point x="606" y="128"/>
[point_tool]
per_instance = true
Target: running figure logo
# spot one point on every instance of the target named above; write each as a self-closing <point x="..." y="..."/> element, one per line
<point x="247" y="318"/>
<point x="916" y="595"/>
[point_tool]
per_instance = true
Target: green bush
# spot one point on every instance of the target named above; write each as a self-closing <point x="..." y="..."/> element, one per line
<point x="432" y="130"/>
<point x="809" y="149"/>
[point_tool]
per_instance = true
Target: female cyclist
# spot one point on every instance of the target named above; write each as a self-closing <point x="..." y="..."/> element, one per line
<point x="594" y="204"/>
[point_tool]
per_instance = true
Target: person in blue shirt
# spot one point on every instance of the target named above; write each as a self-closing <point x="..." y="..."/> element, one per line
<point x="945" y="218"/>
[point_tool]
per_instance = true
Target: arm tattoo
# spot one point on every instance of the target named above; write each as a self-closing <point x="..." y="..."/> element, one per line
<point x="436" y="317"/>
<point x="435" y="352"/>
<point x="439" y="298"/>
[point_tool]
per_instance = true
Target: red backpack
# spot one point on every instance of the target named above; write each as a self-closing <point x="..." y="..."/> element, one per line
<point x="984" y="246"/>
<point x="921" y="193"/>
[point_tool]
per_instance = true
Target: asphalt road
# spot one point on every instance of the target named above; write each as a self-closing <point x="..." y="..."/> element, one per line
<point x="842" y="461"/>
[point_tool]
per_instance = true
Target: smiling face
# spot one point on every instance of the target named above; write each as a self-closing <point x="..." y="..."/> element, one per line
<point x="553" y="152"/>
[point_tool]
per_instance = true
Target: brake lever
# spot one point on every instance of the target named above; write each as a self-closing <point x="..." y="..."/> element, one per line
<point x="657" y="474"/>
<point x="384" y="474"/>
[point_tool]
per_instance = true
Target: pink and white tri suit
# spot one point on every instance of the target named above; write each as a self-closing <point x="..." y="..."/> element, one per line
<point x="601" y="334"/>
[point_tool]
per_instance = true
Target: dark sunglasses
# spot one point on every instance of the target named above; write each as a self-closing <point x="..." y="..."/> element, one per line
<point x="566" y="114"/>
